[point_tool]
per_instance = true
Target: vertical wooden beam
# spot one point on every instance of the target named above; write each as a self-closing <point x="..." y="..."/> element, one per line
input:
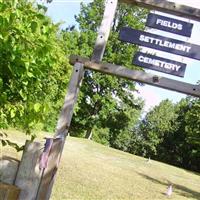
<point x="29" y="175"/>
<point x="62" y="128"/>
<point x="8" y="169"/>
<point x="70" y="100"/>
<point x="46" y="184"/>
<point x="64" y="121"/>
<point x="104" y="30"/>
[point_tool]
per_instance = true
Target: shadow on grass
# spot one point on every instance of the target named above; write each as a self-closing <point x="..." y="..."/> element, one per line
<point x="192" y="172"/>
<point x="183" y="190"/>
<point x="8" y="169"/>
<point x="9" y="158"/>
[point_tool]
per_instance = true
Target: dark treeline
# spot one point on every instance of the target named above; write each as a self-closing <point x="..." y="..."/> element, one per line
<point x="170" y="133"/>
<point x="34" y="72"/>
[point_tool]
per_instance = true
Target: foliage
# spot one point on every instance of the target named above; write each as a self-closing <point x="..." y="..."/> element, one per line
<point x="104" y="100"/>
<point x="101" y="135"/>
<point x="157" y="123"/>
<point x="181" y="146"/>
<point x="122" y="122"/>
<point x="170" y="133"/>
<point x="192" y="130"/>
<point x="192" y="119"/>
<point x="33" y="67"/>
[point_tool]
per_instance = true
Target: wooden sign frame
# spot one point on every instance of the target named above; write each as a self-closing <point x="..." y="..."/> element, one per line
<point x="95" y="64"/>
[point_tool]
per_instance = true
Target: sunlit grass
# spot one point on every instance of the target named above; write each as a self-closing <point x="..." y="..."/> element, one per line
<point x="91" y="171"/>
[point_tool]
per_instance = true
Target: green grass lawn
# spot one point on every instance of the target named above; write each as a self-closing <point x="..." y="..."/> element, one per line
<point x="92" y="171"/>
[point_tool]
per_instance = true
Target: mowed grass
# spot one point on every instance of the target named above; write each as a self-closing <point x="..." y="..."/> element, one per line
<point x="92" y="171"/>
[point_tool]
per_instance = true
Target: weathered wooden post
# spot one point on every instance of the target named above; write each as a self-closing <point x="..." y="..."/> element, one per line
<point x="64" y="121"/>
<point x="44" y="190"/>
<point x="104" y="30"/>
<point x="29" y="175"/>
<point x="167" y="7"/>
<point x="8" y="169"/>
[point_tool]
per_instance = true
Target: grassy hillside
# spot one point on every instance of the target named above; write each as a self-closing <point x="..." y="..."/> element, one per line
<point x="91" y="171"/>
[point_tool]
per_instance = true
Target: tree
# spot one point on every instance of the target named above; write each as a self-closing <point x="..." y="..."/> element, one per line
<point x="122" y="121"/>
<point x="158" y="123"/>
<point x="170" y="133"/>
<point x="173" y="149"/>
<point x="33" y="68"/>
<point x="181" y="146"/>
<point x="192" y="129"/>
<point x="101" y="94"/>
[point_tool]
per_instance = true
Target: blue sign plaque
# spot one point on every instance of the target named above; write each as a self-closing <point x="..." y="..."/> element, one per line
<point x="160" y="43"/>
<point x="169" y="24"/>
<point x="159" y="64"/>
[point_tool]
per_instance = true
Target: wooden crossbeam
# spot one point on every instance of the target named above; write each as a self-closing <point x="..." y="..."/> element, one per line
<point x="140" y="76"/>
<point x="167" y="7"/>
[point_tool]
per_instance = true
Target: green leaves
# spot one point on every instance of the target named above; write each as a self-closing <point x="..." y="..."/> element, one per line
<point x="34" y="26"/>
<point x="37" y="107"/>
<point x="171" y="133"/>
<point x="32" y="66"/>
<point x="30" y="75"/>
<point x="104" y="101"/>
<point x="12" y="113"/>
<point x="1" y="84"/>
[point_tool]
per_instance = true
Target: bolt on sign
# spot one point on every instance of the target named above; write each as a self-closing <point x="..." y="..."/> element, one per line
<point x="159" y="64"/>
<point x="169" y="24"/>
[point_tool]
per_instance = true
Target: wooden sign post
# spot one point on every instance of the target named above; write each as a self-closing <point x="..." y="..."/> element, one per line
<point x="95" y="64"/>
<point x="47" y="181"/>
<point x="104" y="30"/>
<point x="48" y="177"/>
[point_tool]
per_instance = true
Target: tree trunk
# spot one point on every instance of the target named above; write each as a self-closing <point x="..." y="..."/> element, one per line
<point x="88" y="134"/>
